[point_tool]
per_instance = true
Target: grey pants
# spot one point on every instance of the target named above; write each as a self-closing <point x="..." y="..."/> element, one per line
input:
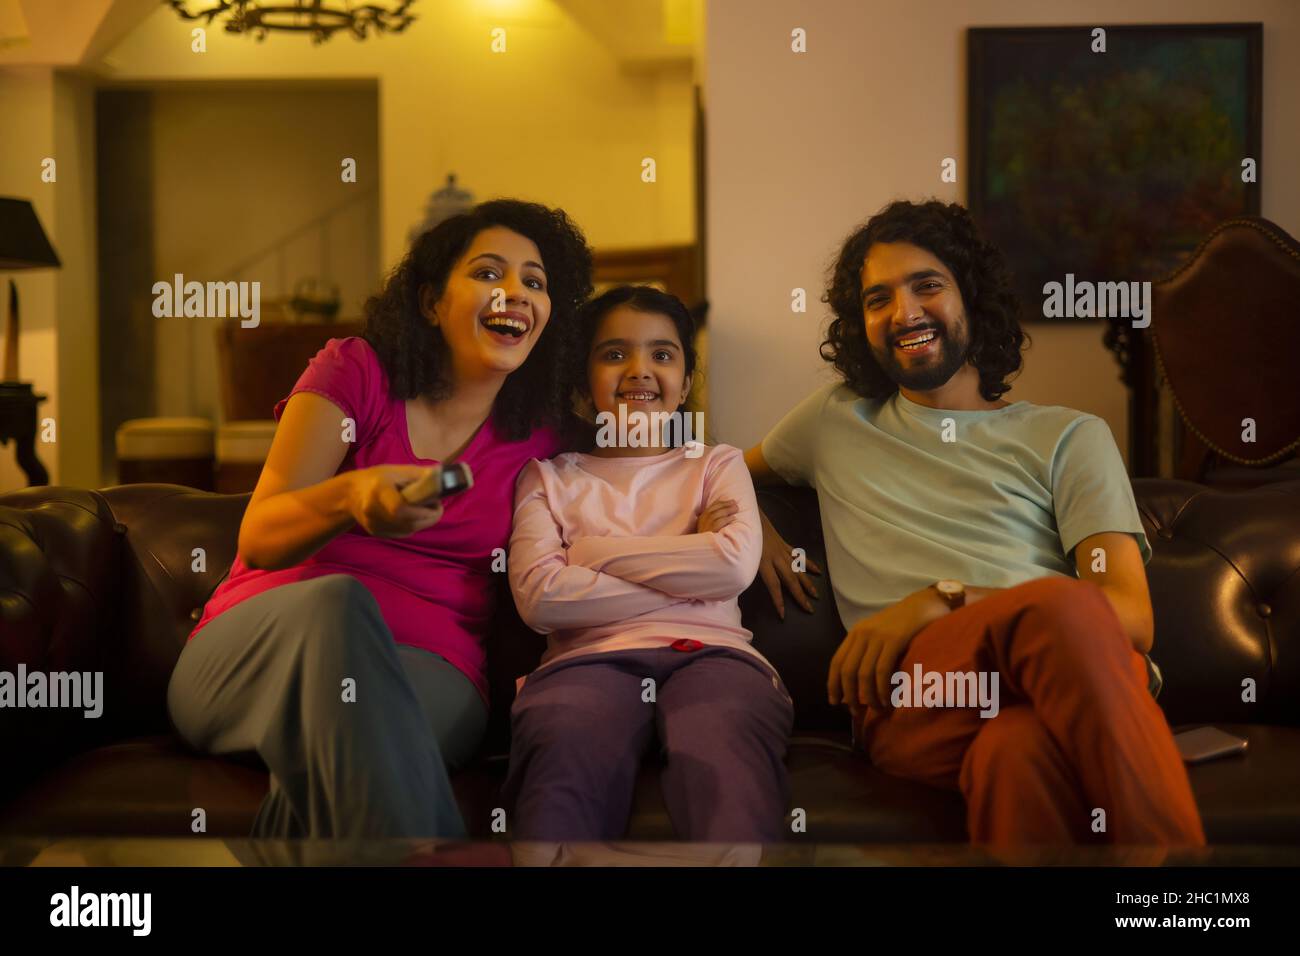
<point x="268" y="676"/>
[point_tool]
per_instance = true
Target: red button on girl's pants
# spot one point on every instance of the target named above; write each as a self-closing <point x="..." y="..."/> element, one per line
<point x="686" y="644"/>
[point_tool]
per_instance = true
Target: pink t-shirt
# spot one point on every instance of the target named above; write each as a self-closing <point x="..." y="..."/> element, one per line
<point x="604" y="555"/>
<point x="435" y="588"/>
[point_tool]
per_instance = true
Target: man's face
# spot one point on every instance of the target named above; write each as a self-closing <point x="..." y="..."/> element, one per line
<point x="915" y="318"/>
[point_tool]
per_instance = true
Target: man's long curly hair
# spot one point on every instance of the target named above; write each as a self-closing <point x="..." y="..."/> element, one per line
<point x="946" y="231"/>
<point x="416" y="356"/>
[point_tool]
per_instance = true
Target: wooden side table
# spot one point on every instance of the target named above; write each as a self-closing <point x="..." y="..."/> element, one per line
<point x="18" y="422"/>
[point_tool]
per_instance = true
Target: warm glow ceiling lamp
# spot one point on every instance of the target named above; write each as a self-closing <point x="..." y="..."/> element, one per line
<point x="320" y="18"/>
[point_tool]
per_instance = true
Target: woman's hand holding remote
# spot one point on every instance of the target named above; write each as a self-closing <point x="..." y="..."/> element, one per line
<point x="376" y="503"/>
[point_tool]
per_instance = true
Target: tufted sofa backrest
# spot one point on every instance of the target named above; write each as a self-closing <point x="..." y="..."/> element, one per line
<point x="113" y="580"/>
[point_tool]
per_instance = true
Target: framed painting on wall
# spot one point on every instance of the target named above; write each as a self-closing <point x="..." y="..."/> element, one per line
<point x="1110" y="163"/>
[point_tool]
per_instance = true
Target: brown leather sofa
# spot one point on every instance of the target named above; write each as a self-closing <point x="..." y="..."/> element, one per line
<point x="102" y="580"/>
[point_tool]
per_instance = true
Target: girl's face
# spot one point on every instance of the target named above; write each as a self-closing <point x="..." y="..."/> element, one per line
<point x="491" y="335"/>
<point x="636" y="360"/>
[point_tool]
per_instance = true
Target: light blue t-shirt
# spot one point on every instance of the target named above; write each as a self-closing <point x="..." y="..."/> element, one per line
<point x="1003" y="502"/>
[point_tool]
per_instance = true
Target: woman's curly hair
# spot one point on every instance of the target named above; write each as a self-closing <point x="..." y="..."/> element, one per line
<point x="416" y="356"/>
<point x="946" y="231"/>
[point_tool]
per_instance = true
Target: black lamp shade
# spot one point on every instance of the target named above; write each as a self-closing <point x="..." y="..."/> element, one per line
<point x="23" y="244"/>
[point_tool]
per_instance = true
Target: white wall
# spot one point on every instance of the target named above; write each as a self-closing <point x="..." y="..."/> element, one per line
<point x="78" y="293"/>
<point x="804" y="147"/>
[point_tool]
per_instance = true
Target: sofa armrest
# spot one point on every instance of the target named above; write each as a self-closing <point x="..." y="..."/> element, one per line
<point x="178" y="544"/>
<point x="1225" y="586"/>
<point x="59" y="610"/>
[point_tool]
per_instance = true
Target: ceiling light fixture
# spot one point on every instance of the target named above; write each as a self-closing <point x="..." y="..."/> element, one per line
<point x="320" y="18"/>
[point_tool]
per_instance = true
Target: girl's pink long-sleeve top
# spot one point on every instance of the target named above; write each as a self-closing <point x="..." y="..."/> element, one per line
<point x="604" y="555"/>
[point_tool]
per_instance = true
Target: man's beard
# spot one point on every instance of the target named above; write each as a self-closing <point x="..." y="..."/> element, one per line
<point x="924" y="378"/>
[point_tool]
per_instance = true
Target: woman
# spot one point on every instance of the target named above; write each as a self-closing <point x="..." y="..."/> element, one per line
<point x="346" y="645"/>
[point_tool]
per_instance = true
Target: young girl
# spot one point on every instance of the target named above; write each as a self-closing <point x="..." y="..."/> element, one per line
<point x="630" y="558"/>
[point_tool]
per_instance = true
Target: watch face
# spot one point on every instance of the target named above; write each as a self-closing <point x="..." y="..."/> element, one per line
<point x="950" y="587"/>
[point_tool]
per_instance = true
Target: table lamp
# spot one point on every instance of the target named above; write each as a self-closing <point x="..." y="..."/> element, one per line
<point x="23" y="245"/>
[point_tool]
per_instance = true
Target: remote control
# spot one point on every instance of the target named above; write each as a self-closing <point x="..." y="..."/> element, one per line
<point x="439" y="482"/>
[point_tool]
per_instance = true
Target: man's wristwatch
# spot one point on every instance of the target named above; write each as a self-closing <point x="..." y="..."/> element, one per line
<point x="952" y="592"/>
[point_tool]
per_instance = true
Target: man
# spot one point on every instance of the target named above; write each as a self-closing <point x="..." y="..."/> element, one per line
<point x="971" y="535"/>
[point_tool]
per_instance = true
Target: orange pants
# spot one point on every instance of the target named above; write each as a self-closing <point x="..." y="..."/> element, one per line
<point x="1077" y="729"/>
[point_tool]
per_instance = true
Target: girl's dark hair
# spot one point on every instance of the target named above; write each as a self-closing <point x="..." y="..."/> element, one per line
<point x="416" y="356"/>
<point x="946" y="231"/>
<point x="643" y="298"/>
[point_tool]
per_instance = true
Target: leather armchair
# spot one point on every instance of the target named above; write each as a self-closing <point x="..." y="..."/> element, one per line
<point x="110" y="580"/>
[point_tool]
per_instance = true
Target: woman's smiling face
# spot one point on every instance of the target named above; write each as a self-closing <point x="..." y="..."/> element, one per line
<point x="490" y="333"/>
<point x="636" y="360"/>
